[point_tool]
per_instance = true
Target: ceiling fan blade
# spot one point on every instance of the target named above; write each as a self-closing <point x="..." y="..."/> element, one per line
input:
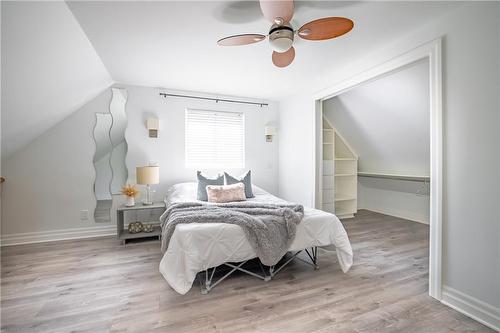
<point x="283" y="59"/>
<point x="326" y="28"/>
<point x="277" y="11"/>
<point x="243" y="39"/>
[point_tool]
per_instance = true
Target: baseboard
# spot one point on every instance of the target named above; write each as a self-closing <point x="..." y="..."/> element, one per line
<point x="57" y="235"/>
<point x="401" y="214"/>
<point x="480" y="311"/>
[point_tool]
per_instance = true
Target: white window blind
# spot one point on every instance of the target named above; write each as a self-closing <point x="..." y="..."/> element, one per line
<point x="215" y="139"/>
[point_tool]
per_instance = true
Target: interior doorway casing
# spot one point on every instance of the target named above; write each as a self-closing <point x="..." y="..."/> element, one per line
<point x="432" y="52"/>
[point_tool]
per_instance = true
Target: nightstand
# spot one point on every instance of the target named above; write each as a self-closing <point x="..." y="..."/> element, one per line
<point x="123" y="234"/>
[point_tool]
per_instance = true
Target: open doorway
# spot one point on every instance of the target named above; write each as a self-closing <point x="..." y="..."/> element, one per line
<point x="396" y="179"/>
<point x="376" y="147"/>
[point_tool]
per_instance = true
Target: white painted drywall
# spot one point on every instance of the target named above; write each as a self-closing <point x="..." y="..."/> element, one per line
<point x="405" y="199"/>
<point x="141" y="44"/>
<point x="168" y="149"/>
<point x="52" y="178"/>
<point x="49" y="69"/>
<point x="471" y="142"/>
<point x="386" y="122"/>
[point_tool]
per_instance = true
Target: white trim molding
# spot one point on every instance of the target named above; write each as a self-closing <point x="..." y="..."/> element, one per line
<point x="58" y="235"/>
<point x="432" y="52"/>
<point x="406" y="215"/>
<point x="480" y="311"/>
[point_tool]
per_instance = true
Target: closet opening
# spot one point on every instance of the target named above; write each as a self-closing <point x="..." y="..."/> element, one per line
<point x="376" y="147"/>
<point x="378" y="163"/>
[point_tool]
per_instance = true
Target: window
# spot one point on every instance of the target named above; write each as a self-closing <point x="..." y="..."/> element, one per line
<point x="215" y="139"/>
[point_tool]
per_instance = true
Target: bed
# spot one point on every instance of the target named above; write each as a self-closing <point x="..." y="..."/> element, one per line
<point x="197" y="247"/>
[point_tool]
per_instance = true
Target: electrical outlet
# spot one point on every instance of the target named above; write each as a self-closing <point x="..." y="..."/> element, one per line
<point x="84" y="215"/>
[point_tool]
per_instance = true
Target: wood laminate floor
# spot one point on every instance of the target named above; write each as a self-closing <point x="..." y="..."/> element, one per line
<point x="99" y="285"/>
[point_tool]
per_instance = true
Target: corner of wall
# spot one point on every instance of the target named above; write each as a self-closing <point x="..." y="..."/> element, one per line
<point x="474" y="308"/>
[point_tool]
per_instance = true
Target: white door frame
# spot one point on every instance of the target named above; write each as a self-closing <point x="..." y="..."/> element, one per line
<point x="432" y="52"/>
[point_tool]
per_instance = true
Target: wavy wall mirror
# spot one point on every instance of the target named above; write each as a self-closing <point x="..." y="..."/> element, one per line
<point x="109" y="158"/>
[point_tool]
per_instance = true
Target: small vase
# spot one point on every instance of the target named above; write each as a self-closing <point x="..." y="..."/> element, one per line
<point x="130" y="202"/>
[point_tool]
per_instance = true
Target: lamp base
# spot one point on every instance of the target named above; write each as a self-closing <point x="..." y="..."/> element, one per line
<point x="148" y="201"/>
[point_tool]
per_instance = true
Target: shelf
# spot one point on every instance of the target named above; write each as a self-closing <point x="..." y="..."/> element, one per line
<point x="140" y="206"/>
<point x="127" y="235"/>
<point x="344" y="214"/>
<point x="340" y="191"/>
<point x="395" y="176"/>
<point x="344" y="198"/>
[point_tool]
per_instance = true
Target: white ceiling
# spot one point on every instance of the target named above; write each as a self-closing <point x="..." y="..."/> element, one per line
<point x="56" y="59"/>
<point x="173" y="44"/>
<point x="49" y="70"/>
<point x="386" y="121"/>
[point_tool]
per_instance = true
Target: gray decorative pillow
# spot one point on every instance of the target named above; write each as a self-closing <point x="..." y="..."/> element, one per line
<point x="245" y="179"/>
<point x="203" y="182"/>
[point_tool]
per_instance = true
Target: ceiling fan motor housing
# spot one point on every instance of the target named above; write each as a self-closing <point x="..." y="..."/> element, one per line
<point x="281" y="37"/>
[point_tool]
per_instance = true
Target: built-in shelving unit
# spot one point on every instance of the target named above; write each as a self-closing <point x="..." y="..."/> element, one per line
<point x="339" y="174"/>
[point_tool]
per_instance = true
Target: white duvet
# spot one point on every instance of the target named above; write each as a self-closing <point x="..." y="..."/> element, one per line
<point x="196" y="247"/>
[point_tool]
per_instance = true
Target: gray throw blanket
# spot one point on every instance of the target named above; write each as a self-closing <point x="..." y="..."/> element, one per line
<point x="269" y="228"/>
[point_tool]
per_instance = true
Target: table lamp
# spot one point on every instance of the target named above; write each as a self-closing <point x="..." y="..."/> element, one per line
<point x="148" y="175"/>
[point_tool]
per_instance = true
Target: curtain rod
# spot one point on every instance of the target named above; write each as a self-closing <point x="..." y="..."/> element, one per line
<point x="217" y="100"/>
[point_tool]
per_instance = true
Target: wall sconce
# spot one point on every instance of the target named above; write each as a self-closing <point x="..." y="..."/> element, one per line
<point x="153" y="125"/>
<point x="270" y="131"/>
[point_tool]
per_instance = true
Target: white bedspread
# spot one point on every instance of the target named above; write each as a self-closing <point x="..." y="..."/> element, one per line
<point x="196" y="247"/>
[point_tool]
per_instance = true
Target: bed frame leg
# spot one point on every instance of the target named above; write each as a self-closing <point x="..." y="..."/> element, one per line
<point x="208" y="283"/>
<point x="267" y="278"/>
<point x="315" y="253"/>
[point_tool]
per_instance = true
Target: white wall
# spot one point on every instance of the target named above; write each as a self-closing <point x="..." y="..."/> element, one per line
<point x="49" y="69"/>
<point x="54" y="175"/>
<point x="386" y="122"/>
<point x="168" y="150"/>
<point x="471" y="137"/>
<point x="405" y="199"/>
<point x="52" y="178"/>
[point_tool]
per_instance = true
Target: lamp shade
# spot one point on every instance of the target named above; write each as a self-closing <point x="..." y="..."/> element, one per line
<point x="270" y="130"/>
<point x="148" y="175"/>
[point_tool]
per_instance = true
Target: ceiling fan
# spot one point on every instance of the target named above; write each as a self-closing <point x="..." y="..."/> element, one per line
<point x="281" y="33"/>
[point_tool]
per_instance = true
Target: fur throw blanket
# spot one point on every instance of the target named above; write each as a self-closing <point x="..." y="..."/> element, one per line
<point x="269" y="228"/>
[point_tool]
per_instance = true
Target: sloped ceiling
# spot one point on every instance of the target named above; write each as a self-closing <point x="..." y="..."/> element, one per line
<point x="387" y="121"/>
<point x="57" y="56"/>
<point x="49" y="70"/>
<point x="173" y="44"/>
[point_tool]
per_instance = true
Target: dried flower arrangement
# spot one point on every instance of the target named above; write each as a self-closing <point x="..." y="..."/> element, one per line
<point x="130" y="191"/>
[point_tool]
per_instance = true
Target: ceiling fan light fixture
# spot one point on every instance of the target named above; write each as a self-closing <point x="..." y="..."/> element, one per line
<point x="281" y="45"/>
<point x="281" y="34"/>
<point x="281" y="38"/>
